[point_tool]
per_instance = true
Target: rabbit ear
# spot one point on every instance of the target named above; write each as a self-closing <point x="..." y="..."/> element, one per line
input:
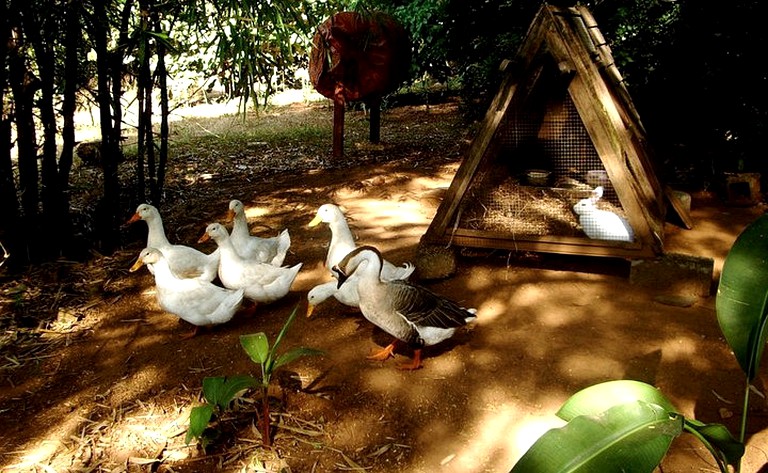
<point x="596" y="194"/>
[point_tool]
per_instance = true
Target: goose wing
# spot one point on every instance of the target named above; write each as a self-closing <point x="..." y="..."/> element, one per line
<point x="422" y="307"/>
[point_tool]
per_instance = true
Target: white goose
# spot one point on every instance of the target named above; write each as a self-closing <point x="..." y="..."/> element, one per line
<point x="200" y="303"/>
<point x="262" y="282"/>
<point x="271" y="250"/>
<point x="412" y="314"/>
<point x="342" y="242"/>
<point x="184" y="261"/>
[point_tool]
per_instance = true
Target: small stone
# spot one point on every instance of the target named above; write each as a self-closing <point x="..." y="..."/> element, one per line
<point x="675" y="300"/>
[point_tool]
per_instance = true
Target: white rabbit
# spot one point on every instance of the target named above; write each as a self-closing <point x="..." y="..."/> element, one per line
<point x="602" y="224"/>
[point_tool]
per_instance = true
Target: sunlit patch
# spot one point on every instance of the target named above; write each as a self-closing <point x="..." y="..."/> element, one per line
<point x="445" y="366"/>
<point x="490" y="310"/>
<point x="35" y="458"/>
<point x="490" y="451"/>
<point x="589" y="366"/>
<point x="679" y="348"/>
<point x="255" y="212"/>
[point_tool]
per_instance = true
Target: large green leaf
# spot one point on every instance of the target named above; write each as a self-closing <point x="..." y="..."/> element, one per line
<point x="256" y="345"/>
<point x="718" y="440"/>
<point x="294" y="354"/>
<point x="741" y="296"/>
<point x="601" y="397"/>
<point x="220" y="391"/>
<point x="630" y="437"/>
<point x="284" y="330"/>
<point x="198" y="421"/>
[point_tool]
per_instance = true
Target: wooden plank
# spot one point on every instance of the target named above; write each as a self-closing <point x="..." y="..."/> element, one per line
<point x="575" y="247"/>
<point x="557" y="39"/>
<point x="608" y="130"/>
<point x="549" y="239"/>
<point x="483" y="144"/>
<point x="680" y="209"/>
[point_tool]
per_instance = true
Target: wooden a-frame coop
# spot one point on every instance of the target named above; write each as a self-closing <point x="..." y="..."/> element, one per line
<point x="561" y="124"/>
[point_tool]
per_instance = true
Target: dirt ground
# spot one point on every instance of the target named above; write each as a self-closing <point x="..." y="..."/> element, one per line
<point x="107" y="385"/>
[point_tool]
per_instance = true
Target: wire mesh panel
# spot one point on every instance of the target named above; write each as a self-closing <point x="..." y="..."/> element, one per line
<point x="541" y="169"/>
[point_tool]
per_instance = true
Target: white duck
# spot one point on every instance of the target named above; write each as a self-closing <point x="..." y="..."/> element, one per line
<point x="270" y="250"/>
<point x="346" y="294"/>
<point x="262" y="282"/>
<point x="342" y="242"/>
<point x="200" y="303"/>
<point x="184" y="261"/>
<point x="412" y="314"/>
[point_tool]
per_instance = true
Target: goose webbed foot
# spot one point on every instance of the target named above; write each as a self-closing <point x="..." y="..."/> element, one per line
<point x="384" y="353"/>
<point x="414" y="364"/>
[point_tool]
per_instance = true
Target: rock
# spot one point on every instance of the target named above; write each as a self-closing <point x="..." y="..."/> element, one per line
<point x="435" y="262"/>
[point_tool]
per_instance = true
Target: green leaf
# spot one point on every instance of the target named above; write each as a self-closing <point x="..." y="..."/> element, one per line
<point x="631" y="437"/>
<point x="198" y="421"/>
<point x="284" y="330"/>
<point x="294" y="354"/>
<point x="232" y="387"/>
<point x="256" y="345"/>
<point x="741" y="296"/>
<point x="212" y="388"/>
<point x="601" y="397"/>
<point x="718" y="439"/>
<point x="219" y="391"/>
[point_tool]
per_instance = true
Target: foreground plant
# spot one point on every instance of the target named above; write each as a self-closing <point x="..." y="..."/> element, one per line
<point x="219" y="392"/>
<point x="742" y="303"/>
<point x="623" y="426"/>
<point x="257" y="347"/>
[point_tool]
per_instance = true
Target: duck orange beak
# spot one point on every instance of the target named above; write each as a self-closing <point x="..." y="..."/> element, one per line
<point x="138" y="264"/>
<point x="315" y="221"/>
<point x="230" y="215"/>
<point x="204" y="238"/>
<point x="134" y="218"/>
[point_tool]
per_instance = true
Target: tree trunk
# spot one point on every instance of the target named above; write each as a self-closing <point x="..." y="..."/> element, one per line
<point x="23" y="85"/>
<point x="162" y="76"/>
<point x="9" y="203"/>
<point x="123" y="44"/>
<point x="72" y="38"/>
<point x="52" y="222"/>
<point x="108" y="209"/>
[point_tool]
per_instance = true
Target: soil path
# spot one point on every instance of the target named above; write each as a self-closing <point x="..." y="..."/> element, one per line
<point x="111" y="387"/>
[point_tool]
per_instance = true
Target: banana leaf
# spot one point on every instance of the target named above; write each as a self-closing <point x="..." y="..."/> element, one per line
<point x="595" y="399"/>
<point x="631" y="437"/>
<point x="220" y="391"/>
<point x="741" y="296"/>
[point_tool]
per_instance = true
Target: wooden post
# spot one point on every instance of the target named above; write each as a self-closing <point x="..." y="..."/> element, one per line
<point x="338" y="121"/>
<point x="374" y="105"/>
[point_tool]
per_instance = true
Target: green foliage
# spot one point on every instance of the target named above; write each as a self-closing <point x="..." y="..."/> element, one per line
<point x="621" y="426"/>
<point x="257" y="347"/>
<point x="219" y="392"/>
<point x="742" y="302"/>
<point x="254" y="47"/>
<point x="741" y="296"/>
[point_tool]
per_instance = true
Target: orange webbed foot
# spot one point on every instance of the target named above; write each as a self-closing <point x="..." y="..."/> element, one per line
<point x="383" y="354"/>
<point x="414" y="364"/>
